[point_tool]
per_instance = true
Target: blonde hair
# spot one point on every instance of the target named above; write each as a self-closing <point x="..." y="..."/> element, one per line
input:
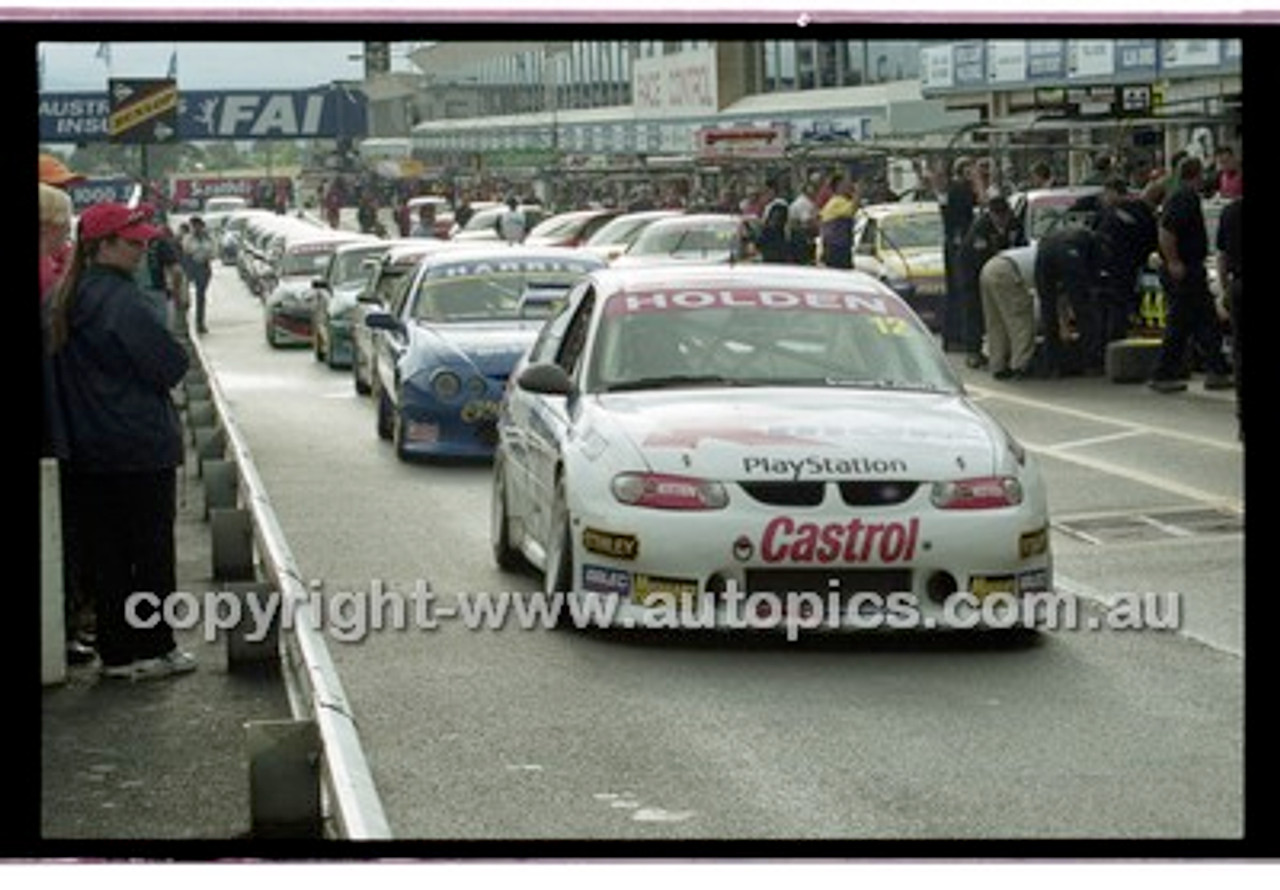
<point x="55" y="206"/>
<point x="64" y="293"/>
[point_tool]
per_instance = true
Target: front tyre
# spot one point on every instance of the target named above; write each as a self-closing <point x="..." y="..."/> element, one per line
<point x="385" y="423"/>
<point x="508" y="558"/>
<point x="558" y="575"/>
<point x="362" y="388"/>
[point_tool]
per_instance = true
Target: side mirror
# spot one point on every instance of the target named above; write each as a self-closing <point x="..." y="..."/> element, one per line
<point x="545" y="379"/>
<point x="383" y="321"/>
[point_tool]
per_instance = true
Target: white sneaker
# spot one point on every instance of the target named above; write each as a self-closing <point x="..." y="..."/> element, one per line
<point x="175" y="662"/>
<point x="117" y="671"/>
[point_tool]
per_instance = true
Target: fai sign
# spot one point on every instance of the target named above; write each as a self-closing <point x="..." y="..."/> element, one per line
<point x="242" y="115"/>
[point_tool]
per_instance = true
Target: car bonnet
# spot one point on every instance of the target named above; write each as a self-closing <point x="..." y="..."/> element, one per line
<point x="769" y="434"/>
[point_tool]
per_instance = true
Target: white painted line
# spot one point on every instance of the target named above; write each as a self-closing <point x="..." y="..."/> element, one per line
<point x="1098" y="440"/>
<point x="1222" y="444"/>
<point x="1076" y="533"/>
<point x="1169" y="485"/>
<point x="1168" y="528"/>
<point x="1082" y="591"/>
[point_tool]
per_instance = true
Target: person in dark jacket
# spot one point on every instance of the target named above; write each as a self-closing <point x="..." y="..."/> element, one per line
<point x="1066" y="275"/>
<point x="113" y="362"/>
<point x="1126" y="228"/>
<point x="1184" y="247"/>
<point x="771" y="240"/>
<point x="992" y="231"/>
<point x="958" y="203"/>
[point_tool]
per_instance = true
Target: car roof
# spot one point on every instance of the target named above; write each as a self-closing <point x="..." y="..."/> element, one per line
<point x="753" y="275"/>
<point x="323" y="237"/>
<point x="418" y="247"/>
<point x="363" y="244"/>
<point x="582" y="213"/>
<point x="499" y="251"/>
<point x="696" y="219"/>
<point x="490" y="207"/>
<point x="1066" y="191"/>
<point x="657" y="213"/>
<point x="900" y="208"/>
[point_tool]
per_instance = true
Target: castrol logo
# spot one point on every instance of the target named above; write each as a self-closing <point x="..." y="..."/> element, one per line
<point x="787" y="540"/>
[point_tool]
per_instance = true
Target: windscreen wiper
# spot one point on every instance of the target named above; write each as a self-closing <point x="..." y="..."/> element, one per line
<point x="674" y="380"/>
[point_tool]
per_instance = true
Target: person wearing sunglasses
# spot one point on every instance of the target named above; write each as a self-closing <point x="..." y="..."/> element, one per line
<point x="113" y="362"/>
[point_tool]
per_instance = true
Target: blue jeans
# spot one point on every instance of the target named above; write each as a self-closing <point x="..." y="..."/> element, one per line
<point x="200" y="275"/>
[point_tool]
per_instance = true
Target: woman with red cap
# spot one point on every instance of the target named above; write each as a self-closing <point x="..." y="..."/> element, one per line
<point x="113" y="364"/>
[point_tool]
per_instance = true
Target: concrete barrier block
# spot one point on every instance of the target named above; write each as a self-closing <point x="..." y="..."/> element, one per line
<point x="232" y="545"/>
<point x="284" y="779"/>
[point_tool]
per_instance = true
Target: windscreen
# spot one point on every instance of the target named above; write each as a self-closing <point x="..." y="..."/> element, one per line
<point x="913" y="230"/>
<point x="748" y="337"/>
<point x="313" y="261"/>
<point x="710" y="238"/>
<point x="350" y="264"/>
<point x="498" y="291"/>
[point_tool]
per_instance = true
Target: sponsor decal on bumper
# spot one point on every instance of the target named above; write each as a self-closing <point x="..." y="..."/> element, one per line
<point x="480" y="410"/>
<point x="612" y="544"/>
<point x="786" y="540"/>
<point x="600" y="579"/>
<point x="1033" y="543"/>
<point x="667" y="591"/>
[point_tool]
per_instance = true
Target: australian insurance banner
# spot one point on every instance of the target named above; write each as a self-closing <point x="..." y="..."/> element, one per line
<point x="327" y="112"/>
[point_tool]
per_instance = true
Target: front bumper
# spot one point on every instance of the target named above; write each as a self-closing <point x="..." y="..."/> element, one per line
<point x="909" y="567"/>
<point x="290" y="325"/>
<point x="466" y="428"/>
<point x="341" y="348"/>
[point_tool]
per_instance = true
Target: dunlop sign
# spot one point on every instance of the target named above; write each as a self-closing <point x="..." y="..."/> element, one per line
<point x="143" y="111"/>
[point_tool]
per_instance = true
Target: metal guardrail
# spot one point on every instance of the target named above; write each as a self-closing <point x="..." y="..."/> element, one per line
<point x="315" y="693"/>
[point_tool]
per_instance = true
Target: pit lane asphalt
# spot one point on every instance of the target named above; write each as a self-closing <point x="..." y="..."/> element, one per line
<point x="563" y="736"/>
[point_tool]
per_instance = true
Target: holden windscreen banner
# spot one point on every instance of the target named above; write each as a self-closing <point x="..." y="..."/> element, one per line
<point x="328" y="112"/>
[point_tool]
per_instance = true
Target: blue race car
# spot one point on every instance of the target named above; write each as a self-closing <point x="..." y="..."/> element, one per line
<point x="448" y="341"/>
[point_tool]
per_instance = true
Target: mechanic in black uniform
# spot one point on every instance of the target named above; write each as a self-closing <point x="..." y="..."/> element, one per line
<point x="1189" y="310"/>
<point x="1066" y="274"/>
<point x="1126" y="227"/>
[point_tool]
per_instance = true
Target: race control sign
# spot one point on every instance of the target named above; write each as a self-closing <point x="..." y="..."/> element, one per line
<point x="143" y="111"/>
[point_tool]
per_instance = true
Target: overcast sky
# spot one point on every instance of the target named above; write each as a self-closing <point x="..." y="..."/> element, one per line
<point x="76" y="67"/>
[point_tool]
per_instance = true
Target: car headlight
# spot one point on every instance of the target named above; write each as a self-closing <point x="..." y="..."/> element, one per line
<point x="984" y="493"/>
<point x="446" y="385"/>
<point x="666" y="492"/>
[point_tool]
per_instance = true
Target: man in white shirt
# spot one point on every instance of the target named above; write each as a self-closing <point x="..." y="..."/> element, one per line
<point x="511" y="223"/>
<point x="802" y="225"/>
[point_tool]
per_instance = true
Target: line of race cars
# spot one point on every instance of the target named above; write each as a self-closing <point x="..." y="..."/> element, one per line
<point x="680" y="425"/>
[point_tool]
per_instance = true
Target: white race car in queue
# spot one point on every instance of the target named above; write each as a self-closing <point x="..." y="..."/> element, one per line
<point x="721" y="439"/>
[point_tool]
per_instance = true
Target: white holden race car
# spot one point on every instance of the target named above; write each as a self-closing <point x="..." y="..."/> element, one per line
<point x="757" y="444"/>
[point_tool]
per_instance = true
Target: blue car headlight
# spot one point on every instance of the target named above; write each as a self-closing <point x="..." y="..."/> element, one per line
<point x="446" y="385"/>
